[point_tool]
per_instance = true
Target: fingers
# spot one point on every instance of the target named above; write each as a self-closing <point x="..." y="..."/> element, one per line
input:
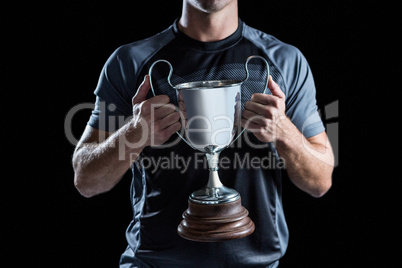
<point x="157" y="113"/>
<point x="275" y="89"/>
<point x="263" y="112"/>
<point x="162" y="129"/>
<point x="170" y="124"/>
<point x="252" y="116"/>
<point x="142" y="91"/>
<point x="251" y="125"/>
<point x="162" y="111"/>
<point x="265" y="104"/>
<point x="158" y="100"/>
<point x="258" y="107"/>
<point x="269" y="99"/>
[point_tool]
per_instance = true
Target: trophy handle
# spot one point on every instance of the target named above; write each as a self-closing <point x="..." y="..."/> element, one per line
<point x="168" y="80"/>
<point x="247" y="72"/>
<point x="247" y="76"/>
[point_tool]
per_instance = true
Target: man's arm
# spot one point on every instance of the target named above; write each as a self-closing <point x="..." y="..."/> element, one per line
<point x="309" y="162"/>
<point x="101" y="158"/>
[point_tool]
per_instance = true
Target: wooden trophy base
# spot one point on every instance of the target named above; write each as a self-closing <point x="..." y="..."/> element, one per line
<point x="215" y="222"/>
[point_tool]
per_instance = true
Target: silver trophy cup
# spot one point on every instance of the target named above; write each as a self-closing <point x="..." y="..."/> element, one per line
<point x="211" y="112"/>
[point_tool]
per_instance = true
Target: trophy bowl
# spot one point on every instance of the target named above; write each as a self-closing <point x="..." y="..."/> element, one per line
<point x="211" y="112"/>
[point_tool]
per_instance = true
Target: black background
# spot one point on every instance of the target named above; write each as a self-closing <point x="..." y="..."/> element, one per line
<point x="54" y="53"/>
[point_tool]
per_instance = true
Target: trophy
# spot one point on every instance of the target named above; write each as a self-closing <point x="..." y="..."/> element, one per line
<point x="212" y="112"/>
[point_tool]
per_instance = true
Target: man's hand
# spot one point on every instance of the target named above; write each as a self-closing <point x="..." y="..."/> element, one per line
<point x="309" y="162"/>
<point x="264" y="113"/>
<point x="157" y="118"/>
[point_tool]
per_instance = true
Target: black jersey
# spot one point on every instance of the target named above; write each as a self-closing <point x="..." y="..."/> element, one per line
<point x="163" y="178"/>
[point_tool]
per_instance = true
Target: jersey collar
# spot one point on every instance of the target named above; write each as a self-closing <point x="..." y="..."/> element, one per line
<point x="208" y="46"/>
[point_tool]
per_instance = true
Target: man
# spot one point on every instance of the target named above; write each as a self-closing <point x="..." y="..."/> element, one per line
<point x="208" y="42"/>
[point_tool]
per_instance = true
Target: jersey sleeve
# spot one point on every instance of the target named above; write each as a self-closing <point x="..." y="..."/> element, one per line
<point x="300" y="91"/>
<point x="113" y="94"/>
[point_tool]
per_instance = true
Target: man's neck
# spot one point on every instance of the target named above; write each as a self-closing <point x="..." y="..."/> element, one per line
<point x="209" y="27"/>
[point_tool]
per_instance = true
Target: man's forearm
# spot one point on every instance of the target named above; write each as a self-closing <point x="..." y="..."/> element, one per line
<point x="99" y="166"/>
<point x="309" y="162"/>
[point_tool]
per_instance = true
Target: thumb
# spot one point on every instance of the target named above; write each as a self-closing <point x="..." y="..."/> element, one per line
<point x="142" y="91"/>
<point x="275" y="89"/>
